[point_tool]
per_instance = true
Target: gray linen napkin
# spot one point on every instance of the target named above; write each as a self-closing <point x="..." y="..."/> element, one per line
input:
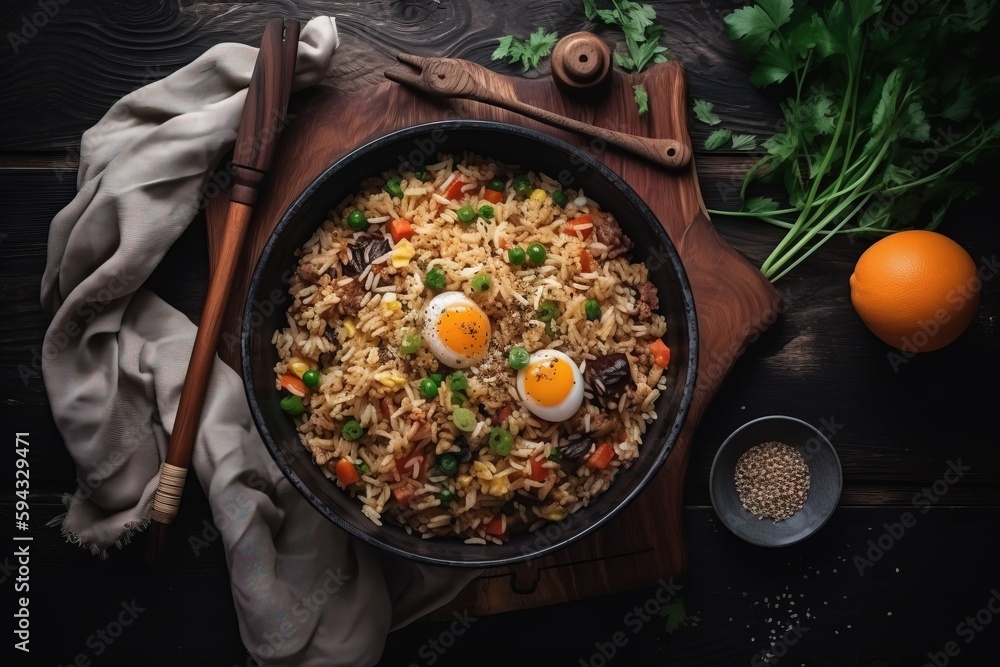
<point x="114" y="361"/>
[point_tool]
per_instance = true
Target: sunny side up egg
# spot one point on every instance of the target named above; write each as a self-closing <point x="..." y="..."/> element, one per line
<point x="457" y="330"/>
<point x="551" y="385"/>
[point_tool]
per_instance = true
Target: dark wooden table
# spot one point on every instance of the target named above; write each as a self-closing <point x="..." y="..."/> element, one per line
<point x="929" y="585"/>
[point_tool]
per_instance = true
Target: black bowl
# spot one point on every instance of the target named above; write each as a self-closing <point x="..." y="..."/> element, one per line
<point x="268" y="298"/>
<point x="825" y="481"/>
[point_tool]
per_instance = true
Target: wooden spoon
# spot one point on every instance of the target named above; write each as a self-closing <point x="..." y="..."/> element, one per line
<point x="263" y="114"/>
<point x="452" y="78"/>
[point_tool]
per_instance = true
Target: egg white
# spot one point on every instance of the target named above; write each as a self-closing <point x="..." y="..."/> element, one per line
<point x="570" y="403"/>
<point x="432" y="316"/>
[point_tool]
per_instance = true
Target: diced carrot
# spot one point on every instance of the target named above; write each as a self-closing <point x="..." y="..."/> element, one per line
<point x="660" y="352"/>
<point x="495" y="526"/>
<point x="581" y="227"/>
<point x="538" y="473"/>
<point x="346" y="472"/>
<point x="293" y="384"/>
<point x="403" y="494"/>
<point x="493" y="196"/>
<point x="400" y="229"/>
<point x="454" y="190"/>
<point x="601" y="457"/>
<point x="586" y="261"/>
<point x="502" y="243"/>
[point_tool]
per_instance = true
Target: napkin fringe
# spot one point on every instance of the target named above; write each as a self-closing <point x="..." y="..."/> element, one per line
<point x="129" y="529"/>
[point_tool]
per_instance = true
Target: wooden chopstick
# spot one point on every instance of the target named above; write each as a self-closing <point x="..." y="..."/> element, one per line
<point x="263" y="116"/>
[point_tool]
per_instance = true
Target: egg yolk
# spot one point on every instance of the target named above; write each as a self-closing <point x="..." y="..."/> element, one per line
<point x="464" y="330"/>
<point x="549" y="381"/>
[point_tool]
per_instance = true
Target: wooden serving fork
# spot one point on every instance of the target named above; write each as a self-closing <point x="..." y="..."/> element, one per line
<point x="453" y="78"/>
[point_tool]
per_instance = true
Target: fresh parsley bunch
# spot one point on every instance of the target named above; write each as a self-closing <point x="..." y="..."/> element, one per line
<point x="530" y="52"/>
<point x="882" y="105"/>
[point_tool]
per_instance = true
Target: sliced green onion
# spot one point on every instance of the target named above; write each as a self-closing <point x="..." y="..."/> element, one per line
<point x="421" y="174"/>
<point x="292" y="404"/>
<point x="592" y="309"/>
<point x="518" y="358"/>
<point x="458" y="382"/>
<point x="352" y="430"/>
<point x="548" y="311"/>
<point x="362" y="467"/>
<point x="481" y="282"/>
<point x="501" y="441"/>
<point x="448" y="464"/>
<point x="446" y="496"/>
<point x="411" y="343"/>
<point x="437" y="378"/>
<point x="435" y="279"/>
<point x="486" y="212"/>
<point x="465" y="419"/>
<point x="393" y="188"/>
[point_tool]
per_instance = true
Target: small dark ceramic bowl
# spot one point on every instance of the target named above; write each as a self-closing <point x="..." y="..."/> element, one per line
<point x="825" y="481"/>
<point x="512" y="145"/>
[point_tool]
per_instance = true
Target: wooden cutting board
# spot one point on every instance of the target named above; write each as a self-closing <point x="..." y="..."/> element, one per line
<point x="734" y="302"/>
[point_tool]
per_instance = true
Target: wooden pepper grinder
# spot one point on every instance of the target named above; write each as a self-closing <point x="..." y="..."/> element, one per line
<point x="581" y="63"/>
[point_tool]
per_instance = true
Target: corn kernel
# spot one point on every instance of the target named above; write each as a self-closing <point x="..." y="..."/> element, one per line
<point x="498" y="486"/>
<point x="464" y="480"/>
<point x="390" y="379"/>
<point x="539" y="195"/>
<point x="390" y="303"/>
<point x="298" y="366"/>
<point x="554" y="513"/>
<point x="402" y="253"/>
<point x="350" y="327"/>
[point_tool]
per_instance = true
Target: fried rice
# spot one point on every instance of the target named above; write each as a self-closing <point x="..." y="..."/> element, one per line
<point x="351" y="309"/>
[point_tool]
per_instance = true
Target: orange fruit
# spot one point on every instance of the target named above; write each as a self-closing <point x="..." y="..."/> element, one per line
<point x="916" y="290"/>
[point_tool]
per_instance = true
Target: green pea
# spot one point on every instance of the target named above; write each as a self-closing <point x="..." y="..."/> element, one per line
<point x="292" y="405"/>
<point x="448" y="464"/>
<point x="536" y="253"/>
<point x="548" y="312"/>
<point x="446" y="496"/>
<point x="518" y="358"/>
<point x="458" y="398"/>
<point x="357" y="220"/>
<point x="311" y="378"/>
<point x="465" y="419"/>
<point x="522" y="185"/>
<point x="486" y="212"/>
<point x="501" y="441"/>
<point x="428" y="389"/>
<point x="496" y="184"/>
<point x="481" y="282"/>
<point x="435" y="279"/>
<point x="592" y="309"/>
<point x="352" y="430"/>
<point x="411" y="343"/>
<point x="559" y="198"/>
<point x="466" y="214"/>
<point x="458" y="382"/>
<point x="516" y="255"/>
<point x="393" y="187"/>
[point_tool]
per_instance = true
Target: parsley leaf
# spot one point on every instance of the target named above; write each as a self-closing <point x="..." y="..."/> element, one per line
<point x="637" y="22"/>
<point x="703" y="112"/>
<point x="744" y="142"/>
<point x="641" y="98"/>
<point x="529" y="52"/>
<point x="675" y="614"/>
<point x="717" y="138"/>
